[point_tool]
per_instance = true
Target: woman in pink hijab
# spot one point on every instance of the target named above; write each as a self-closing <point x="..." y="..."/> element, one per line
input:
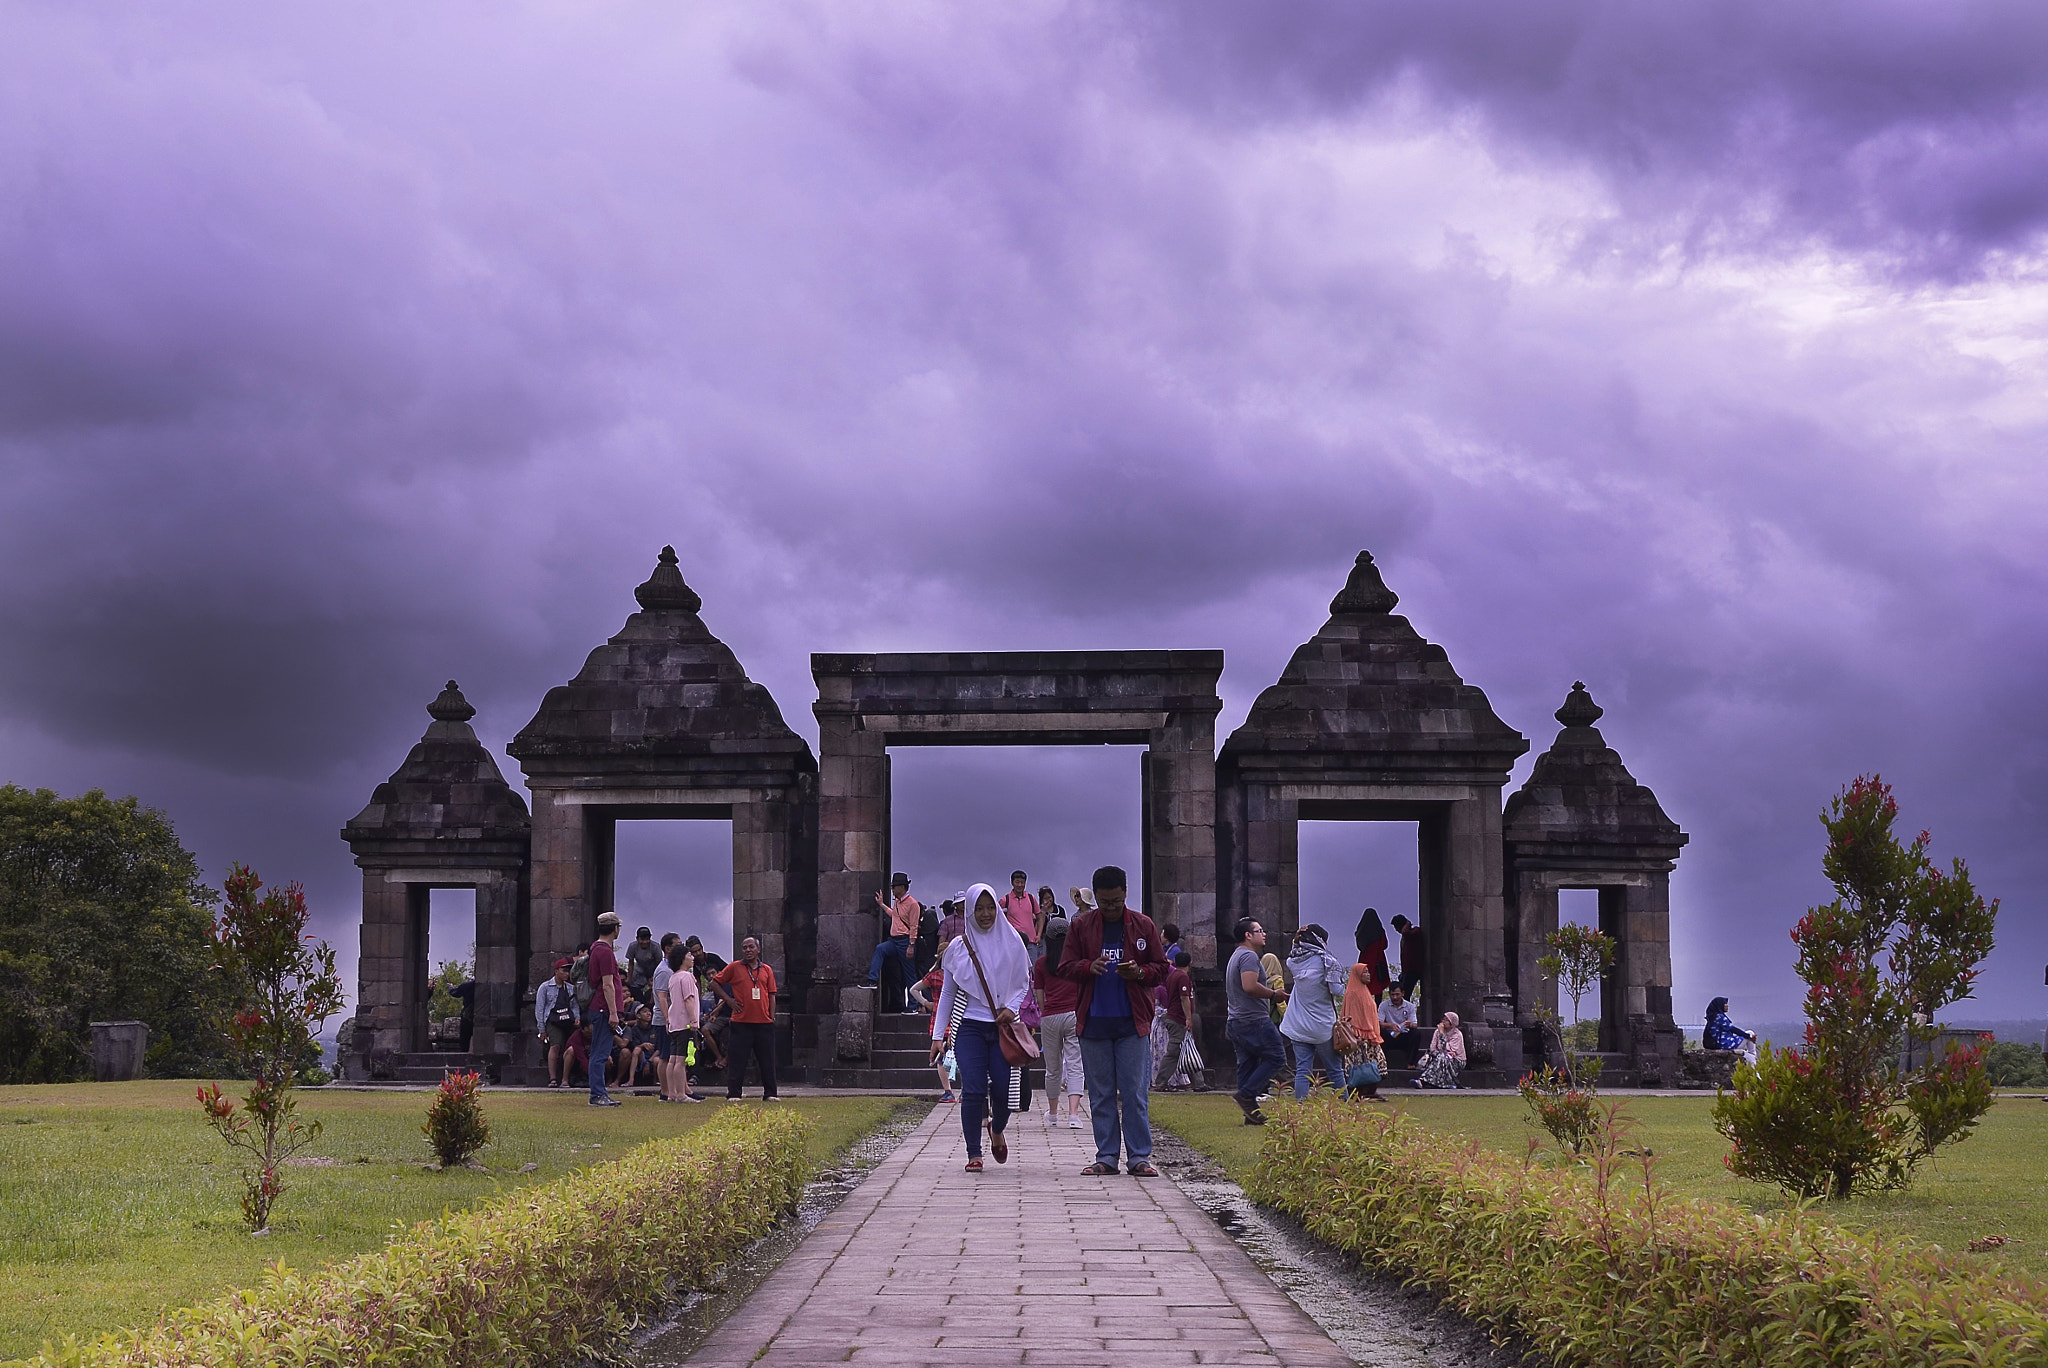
<point x="1446" y="1058"/>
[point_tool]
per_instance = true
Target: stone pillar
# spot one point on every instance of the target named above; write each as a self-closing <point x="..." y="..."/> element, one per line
<point x="498" y="980"/>
<point x="1180" y="836"/>
<point x="853" y="816"/>
<point x="1473" y="966"/>
<point x="561" y="920"/>
<point x="1535" y="920"/>
<point x="1268" y="818"/>
<point x="384" y="973"/>
<point x="1643" y="975"/>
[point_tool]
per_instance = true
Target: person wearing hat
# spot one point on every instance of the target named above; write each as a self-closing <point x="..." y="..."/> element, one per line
<point x="903" y="914"/>
<point x="607" y="1005"/>
<point x="556" y="1014"/>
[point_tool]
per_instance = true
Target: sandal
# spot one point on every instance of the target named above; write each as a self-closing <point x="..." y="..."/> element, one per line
<point x="1141" y="1169"/>
<point x="1099" y="1170"/>
<point x="999" y="1147"/>
<point x="974" y="1165"/>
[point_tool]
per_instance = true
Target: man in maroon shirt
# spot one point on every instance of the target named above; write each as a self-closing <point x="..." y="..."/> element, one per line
<point x="607" y="1005"/>
<point x="1180" y="1019"/>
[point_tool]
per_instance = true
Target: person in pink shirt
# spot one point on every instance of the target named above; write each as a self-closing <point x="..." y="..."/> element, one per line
<point x="1022" y="909"/>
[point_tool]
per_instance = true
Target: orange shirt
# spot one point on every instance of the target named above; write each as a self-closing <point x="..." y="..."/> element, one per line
<point x="753" y="991"/>
<point x="903" y="915"/>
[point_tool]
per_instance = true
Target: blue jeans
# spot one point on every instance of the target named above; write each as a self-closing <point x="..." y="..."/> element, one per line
<point x="984" y="1080"/>
<point x="1260" y="1055"/>
<point x="1306" y="1057"/>
<point x="600" y="1051"/>
<point x="1119" y="1074"/>
<point x="896" y="948"/>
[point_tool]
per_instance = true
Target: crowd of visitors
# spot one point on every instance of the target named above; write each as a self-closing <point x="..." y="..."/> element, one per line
<point x="635" y="1018"/>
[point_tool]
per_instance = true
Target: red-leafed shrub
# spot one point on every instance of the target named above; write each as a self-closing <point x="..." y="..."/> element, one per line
<point x="455" y="1118"/>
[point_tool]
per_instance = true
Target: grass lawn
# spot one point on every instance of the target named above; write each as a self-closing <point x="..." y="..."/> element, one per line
<point x="117" y="1203"/>
<point x="1995" y="1182"/>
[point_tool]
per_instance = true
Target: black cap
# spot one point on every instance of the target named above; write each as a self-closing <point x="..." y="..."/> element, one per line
<point x="900" y="881"/>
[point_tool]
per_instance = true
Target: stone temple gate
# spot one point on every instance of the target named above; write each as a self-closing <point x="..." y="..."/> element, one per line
<point x="1368" y="722"/>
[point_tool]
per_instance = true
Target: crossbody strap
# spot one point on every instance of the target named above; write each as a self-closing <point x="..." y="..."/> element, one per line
<point x="987" y="994"/>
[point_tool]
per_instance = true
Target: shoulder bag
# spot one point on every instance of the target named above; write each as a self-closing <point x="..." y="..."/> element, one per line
<point x="1013" y="1036"/>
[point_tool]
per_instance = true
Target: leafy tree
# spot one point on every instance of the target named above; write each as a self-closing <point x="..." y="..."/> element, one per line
<point x="2016" y="1064"/>
<point x="1900" y="941"/>
<point x="441" y="1000"/>
<point x="102" y="917"/>
<point x="290" y="989"/>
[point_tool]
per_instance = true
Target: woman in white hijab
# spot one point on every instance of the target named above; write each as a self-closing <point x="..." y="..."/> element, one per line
<point x="1006" y="965"/>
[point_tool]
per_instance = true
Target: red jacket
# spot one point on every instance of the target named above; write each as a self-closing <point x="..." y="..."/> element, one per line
<point x="1142" y="947"/>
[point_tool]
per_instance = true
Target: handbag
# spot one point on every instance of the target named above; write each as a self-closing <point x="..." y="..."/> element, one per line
<point x="1191" y="1061"/>
<point x="1014" y="1036"/>
<point x="1343" y="1039"/>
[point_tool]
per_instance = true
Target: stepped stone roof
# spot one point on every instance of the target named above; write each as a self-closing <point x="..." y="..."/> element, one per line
<point x="1367" y="691"/>
<point x="663" y="689"/>
<point x="448" y="789"/>
<point x="1580" y="794"/>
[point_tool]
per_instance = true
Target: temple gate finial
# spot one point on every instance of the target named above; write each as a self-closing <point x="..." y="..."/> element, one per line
<point x="1579" y="709"/>
<point x="665" y="588"/>
<point x="1365" y="591"/>
<point x="450" y="706"/>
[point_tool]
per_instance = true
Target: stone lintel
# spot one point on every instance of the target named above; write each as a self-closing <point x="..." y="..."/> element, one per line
<point x="982" y="728"/>
<point x="1551" y="878"/>
<point x="708" y="798"/>
<point x="450" y="877"/>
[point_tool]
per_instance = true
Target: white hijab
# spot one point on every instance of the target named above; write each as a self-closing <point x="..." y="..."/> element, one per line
<point x="1003" y="958"/>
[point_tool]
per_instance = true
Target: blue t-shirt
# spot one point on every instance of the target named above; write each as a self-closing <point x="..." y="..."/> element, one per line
<point x="1109" y="1010"/>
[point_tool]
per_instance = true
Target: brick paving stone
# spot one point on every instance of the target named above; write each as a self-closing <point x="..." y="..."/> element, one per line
<point x="1027" y="1263"/>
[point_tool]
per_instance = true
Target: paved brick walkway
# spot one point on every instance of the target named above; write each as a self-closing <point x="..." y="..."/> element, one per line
<point x="1027" y="1263"/>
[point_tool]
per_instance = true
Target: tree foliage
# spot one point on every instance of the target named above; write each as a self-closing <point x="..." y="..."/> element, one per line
<point x="1901" y="940"/>
<point x="102" y="917"/>
<point x="290" y="987"/>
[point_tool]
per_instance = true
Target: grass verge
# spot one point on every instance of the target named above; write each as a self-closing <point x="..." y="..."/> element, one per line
<point x="117" y="1204"/>
<point x="1988" y="1185"/>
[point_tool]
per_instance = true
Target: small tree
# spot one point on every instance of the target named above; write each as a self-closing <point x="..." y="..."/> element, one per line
<point x="1900" y="941"/>
<point x="1561" y="1100"/>
<point x="289" y="988"/>
<point x="1579" y="958"/>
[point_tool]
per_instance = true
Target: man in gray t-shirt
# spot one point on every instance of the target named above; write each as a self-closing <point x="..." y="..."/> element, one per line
<point x="1249" y="1023"/>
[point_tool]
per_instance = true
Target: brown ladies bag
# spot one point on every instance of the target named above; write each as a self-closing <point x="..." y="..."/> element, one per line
<point x="1014" y="1036"/>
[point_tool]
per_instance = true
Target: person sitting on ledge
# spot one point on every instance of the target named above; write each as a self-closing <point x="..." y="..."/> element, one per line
<point x="1446" y="1057"/>
<point x="1398" y="1029"/>
<point x="1724" y="1034"/>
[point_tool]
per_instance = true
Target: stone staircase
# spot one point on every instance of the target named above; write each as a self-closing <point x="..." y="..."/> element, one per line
<point x="899" y="1057"/>
<point x="429" y="1066"/>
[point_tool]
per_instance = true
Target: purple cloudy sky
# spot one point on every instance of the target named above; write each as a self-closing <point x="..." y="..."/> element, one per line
<point x="1695" y="350"/>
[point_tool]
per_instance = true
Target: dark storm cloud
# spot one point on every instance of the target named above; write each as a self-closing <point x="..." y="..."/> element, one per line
<point x="1906" y="131"/>
<point x="337" y="360"/>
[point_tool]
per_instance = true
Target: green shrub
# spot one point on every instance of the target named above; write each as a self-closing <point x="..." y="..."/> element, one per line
<point x="1606" y="1269"/>
<point x="2017" y="1064"/>
<point x="1571" y="1115"/>
<point x="455" y="1118"/>
<point x="542" y="1277"/>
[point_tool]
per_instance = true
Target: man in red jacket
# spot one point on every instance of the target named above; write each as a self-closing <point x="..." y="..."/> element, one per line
<point x="1113" y="953"/>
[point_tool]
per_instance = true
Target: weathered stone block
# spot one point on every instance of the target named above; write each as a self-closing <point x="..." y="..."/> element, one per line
<point x="854" y="1038"/>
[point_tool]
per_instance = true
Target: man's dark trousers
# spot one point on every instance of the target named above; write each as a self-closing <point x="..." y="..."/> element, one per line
<point x="744" y="1040"/>
<point x="1260" y="1053"/>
